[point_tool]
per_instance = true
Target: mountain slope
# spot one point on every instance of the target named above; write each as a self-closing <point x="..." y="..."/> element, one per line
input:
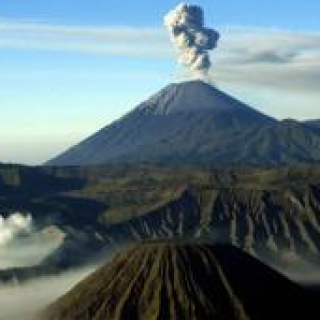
<point x="193" y="122"/>
<point x="313" y="123"/>
<point x="272" y="213"/>
<point x="278" y="224"/>
<point x="162" y="281"/>
<point x="176" y="122"/>
<point x="284" y="142"/>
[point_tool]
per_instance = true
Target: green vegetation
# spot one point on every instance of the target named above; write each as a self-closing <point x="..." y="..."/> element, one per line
<point x="262" y="210"/>
<point x="115" y="194"/>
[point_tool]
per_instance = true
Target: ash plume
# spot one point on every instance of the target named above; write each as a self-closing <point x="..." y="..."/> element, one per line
<point x="192" y="39"/>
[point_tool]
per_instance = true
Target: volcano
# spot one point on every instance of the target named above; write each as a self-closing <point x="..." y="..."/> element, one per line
<point x="162" y="281"/>
<point x="196" y="123"/>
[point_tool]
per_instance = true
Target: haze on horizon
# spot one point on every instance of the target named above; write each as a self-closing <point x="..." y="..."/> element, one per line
<point x="66" y="65"/>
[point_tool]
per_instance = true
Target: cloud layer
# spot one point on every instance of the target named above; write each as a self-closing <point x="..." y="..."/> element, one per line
<point x="124" y="41"/>
<point x="282" y="66"/>
<point x="246" y="54"/>
<point x="24" y="302"/>
<point x="277" y="58"/>
<point x="21" y="244"/>
<point x="13" y="226"/>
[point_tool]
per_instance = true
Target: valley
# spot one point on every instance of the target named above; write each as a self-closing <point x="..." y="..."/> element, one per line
<point x="272" y="213"/>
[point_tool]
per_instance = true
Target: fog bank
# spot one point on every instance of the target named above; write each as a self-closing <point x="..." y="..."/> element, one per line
<point x="23" y="302"/>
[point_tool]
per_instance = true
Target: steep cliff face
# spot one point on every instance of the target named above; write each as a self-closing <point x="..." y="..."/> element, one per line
<point x="283" y="222"/>
<point x="272" y="213"/>
<point x="179" y="218"/>
<point x="160" y="281"/>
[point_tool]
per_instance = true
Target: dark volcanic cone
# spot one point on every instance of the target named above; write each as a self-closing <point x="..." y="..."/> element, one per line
<point x="162" y="281"/>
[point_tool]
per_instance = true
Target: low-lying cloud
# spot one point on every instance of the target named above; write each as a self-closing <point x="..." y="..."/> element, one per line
<point x="24" y="302"/>
<point x="300" y="271"/>
<point x="21" y="244"/>
<point x="26" y="253"/>
<point x="12" y="226"/>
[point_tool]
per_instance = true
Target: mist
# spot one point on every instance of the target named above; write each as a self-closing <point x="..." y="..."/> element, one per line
<point x="302" y="272"/>
<point x="14" y="225"/>
<point x="22" y="244"/>
<point x="293" y="266"/>
<point x="25" y="301"/>
<point x="24" y="254"/>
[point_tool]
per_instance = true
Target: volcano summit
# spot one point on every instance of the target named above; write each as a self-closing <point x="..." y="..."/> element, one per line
<point x="195" y="123"/>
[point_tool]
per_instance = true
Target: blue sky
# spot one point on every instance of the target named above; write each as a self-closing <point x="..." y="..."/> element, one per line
<point x="69" y="67"/>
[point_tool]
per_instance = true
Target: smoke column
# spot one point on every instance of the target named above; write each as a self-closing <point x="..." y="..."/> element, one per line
<point x="191" y="38"/>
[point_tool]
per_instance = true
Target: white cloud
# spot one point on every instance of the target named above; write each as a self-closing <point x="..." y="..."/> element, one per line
<point x="24" y="302"/>
<point x="28" y="252"/>
<point x="126" y="41"/>
<point x="22" y="244"/>
<point x="269" y="57"/>
<point x="283" y="65"/>
<point x="245" y="55"/>
<point x="277" y="71"/>
<point x="13" y="226"/>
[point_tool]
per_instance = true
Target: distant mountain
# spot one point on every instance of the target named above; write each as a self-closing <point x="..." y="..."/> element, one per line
<point x="167" y="281"/>
<point x="313" y="123"/>
<point x="194" y="122"/>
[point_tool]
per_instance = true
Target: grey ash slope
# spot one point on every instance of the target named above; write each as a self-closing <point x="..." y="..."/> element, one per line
<point x="193" y="122"/>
